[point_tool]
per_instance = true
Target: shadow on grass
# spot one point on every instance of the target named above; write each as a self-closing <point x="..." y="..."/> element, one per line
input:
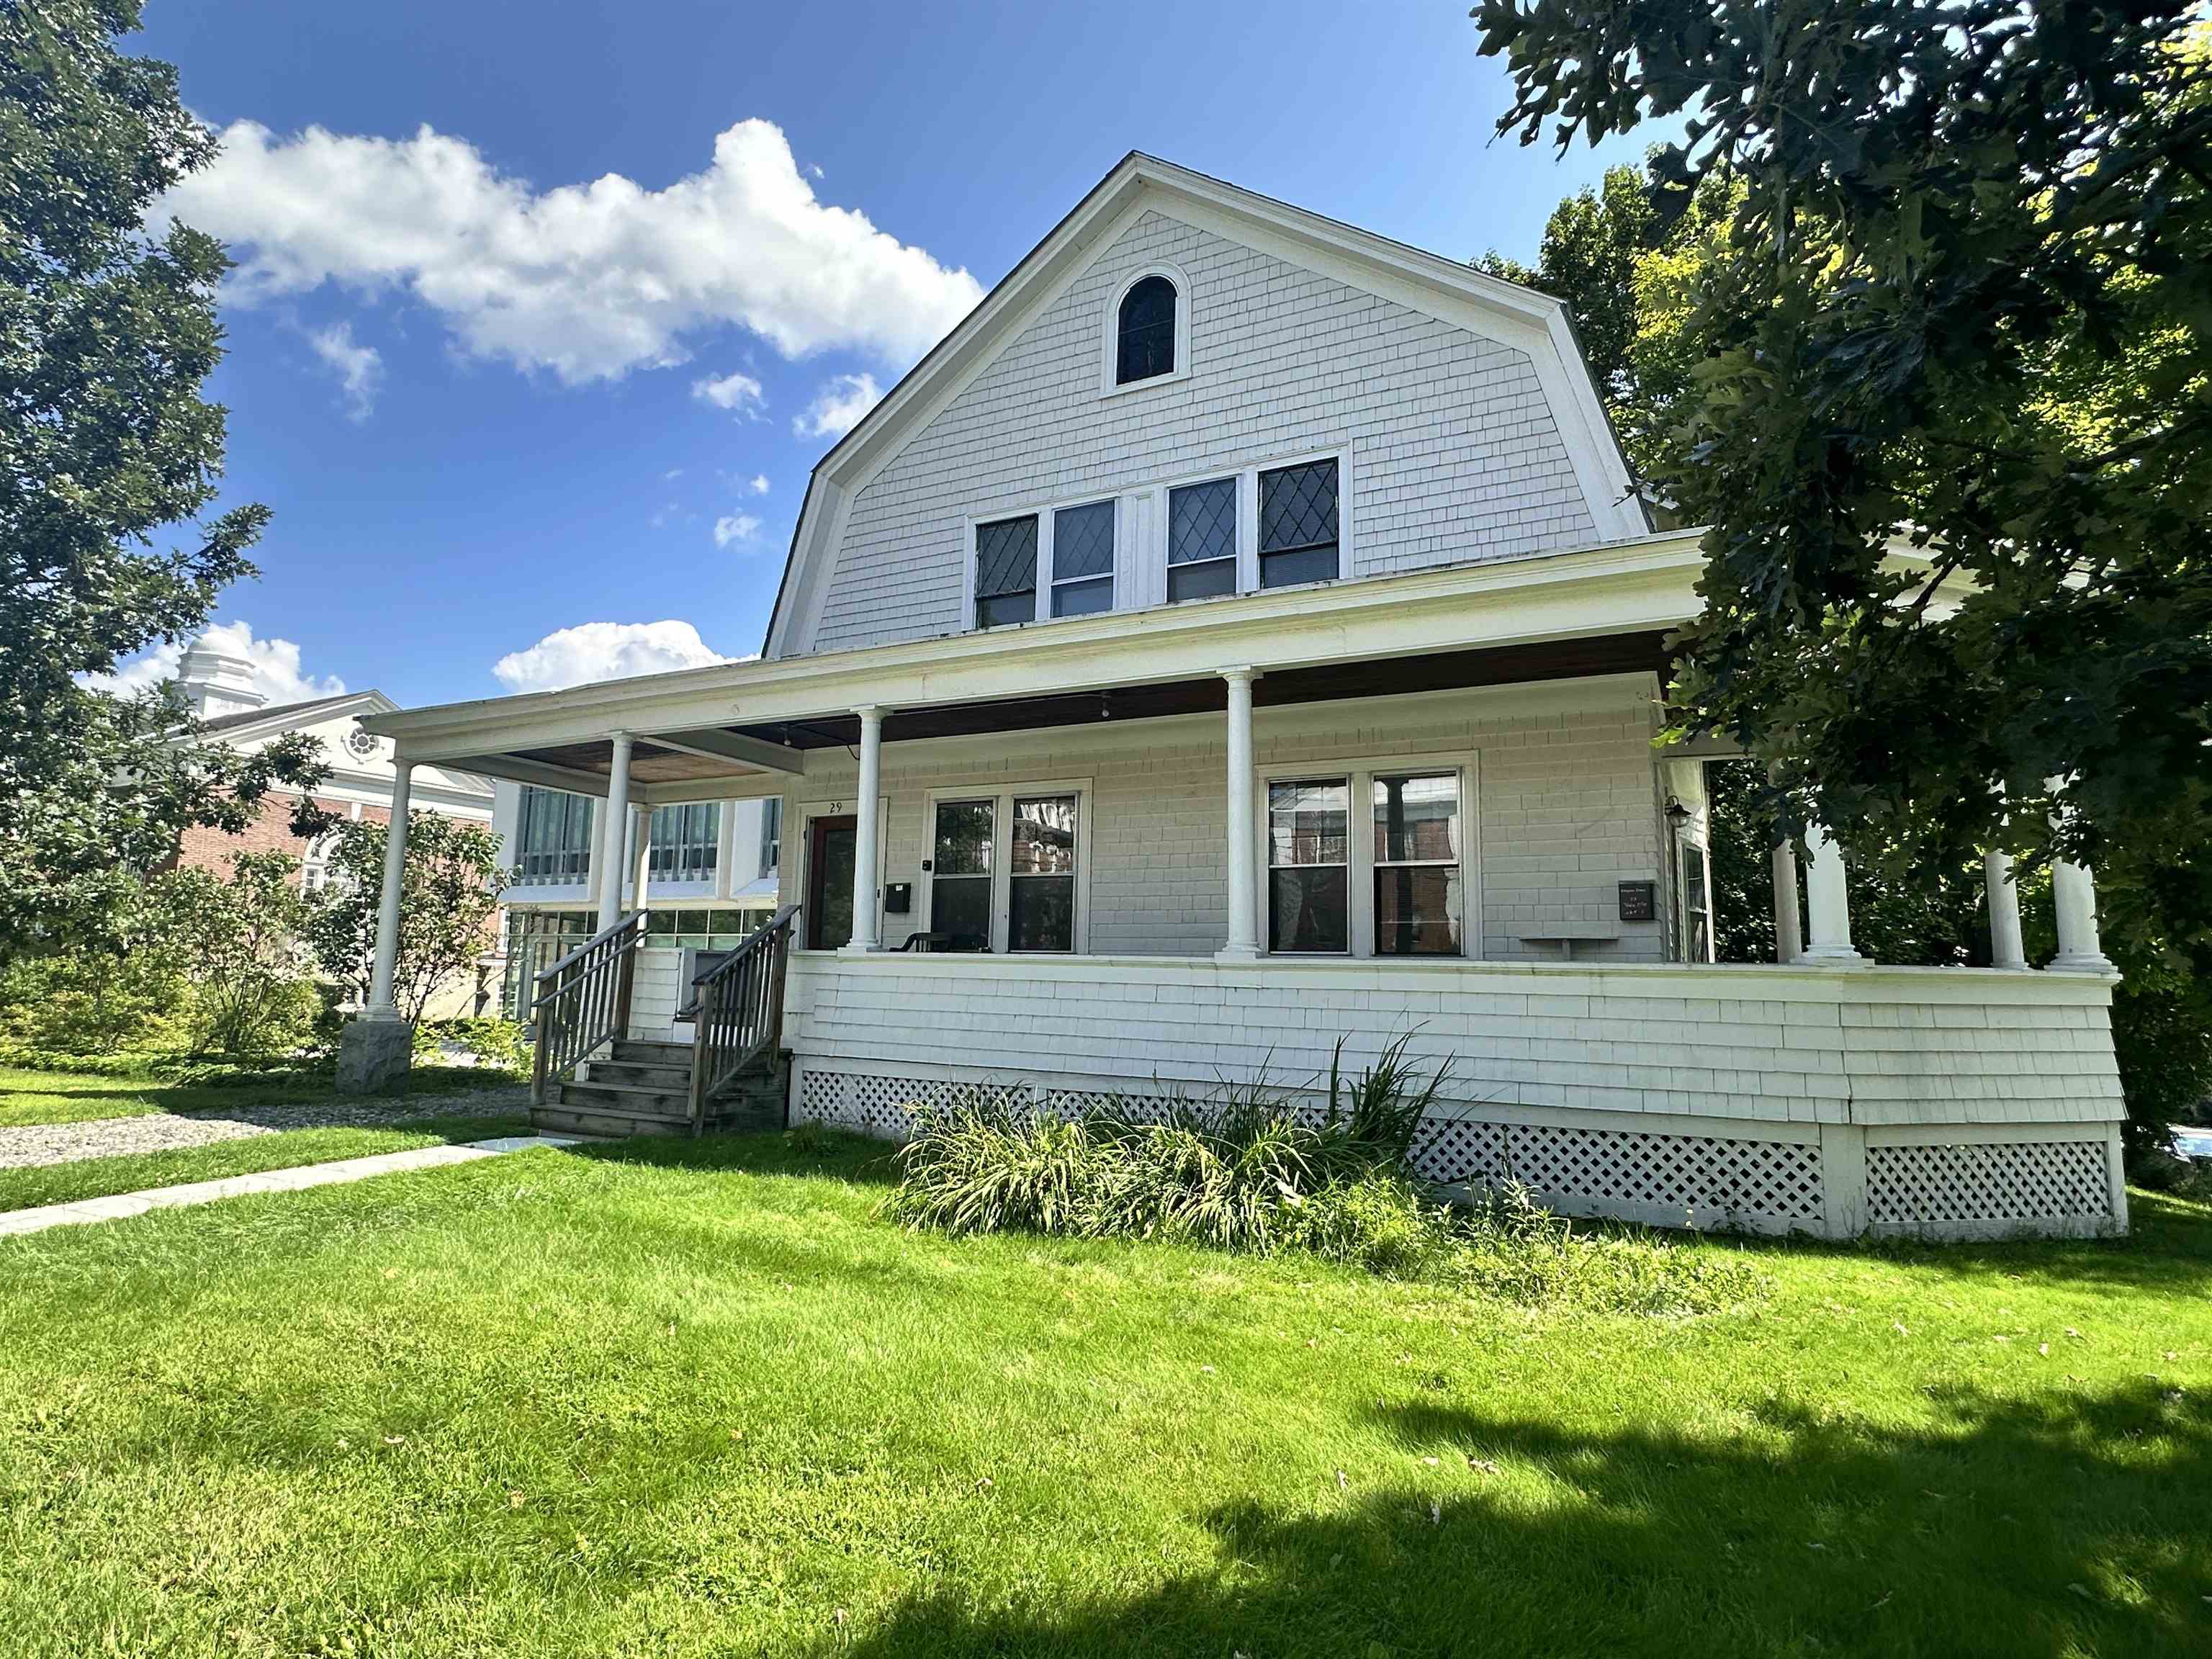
<point x="2046" y="1527"/>
<point x="808" y="1150"/>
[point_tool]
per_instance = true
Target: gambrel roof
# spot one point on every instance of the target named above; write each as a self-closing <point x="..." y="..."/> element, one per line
<point x="1455" y="293"/>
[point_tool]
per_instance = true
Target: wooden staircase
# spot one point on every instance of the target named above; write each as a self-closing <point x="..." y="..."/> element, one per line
<point x="588" y="1077"/>
<point x="645" y="1089"/>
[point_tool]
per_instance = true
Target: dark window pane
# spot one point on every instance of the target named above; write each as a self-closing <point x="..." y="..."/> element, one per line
<point x="1298" y="507"/>
<point x="1304" y="564"/>
<point x="1308" y="909"/>
<point x="1084" y="597"/>
<point x="1044" y="836"/>
<point x="1006" y="571"/>
<point x="960" y="907"/>
<point x="1416" y="819"/>
<point x="1041" y="913"/>
<point x="1145" y="345"/>
<point x="1083" y="541"/>
<point x="1202" y="522"/>
<point x="1417" y="910"/>
<point x="1202" y="581"/>
<point x="964" y="838"/>
<point x="1309" y="822"/>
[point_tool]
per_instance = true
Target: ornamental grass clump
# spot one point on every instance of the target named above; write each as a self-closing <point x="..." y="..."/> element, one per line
<point x="1239" y="1170"/>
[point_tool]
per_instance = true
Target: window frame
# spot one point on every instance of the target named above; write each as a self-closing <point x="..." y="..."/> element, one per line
<point x="1261" y="555"/>
<point x="1110" y="333"/>
<point x="1246" y="477"/>
<point x="1046" y="514"/>
<point x="1360" y="772"/>
<point x="1003" y="795"/>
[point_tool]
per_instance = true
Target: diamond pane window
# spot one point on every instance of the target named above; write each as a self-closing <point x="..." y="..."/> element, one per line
<point x="1202" y="540"/>
<point x="1418" y="908"/>
<point x="1145" y="342"/>
<point x="1005" y="572"/>
<point x="1297" y="524"/>
<point x="1083" y="559"/>
<point x="1310" y="866"/>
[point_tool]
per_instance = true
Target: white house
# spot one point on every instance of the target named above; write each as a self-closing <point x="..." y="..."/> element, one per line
<point x="1241" y="633"/>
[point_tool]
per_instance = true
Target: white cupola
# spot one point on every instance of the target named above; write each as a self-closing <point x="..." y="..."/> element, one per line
<point x="213" y="681"/>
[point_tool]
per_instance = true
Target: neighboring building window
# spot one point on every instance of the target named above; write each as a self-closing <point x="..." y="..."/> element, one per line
<point x="1145" y="332"/>
<point x="1297" y="524"/>
<point x="1310" y="866"/>
<point x="960" y="873"/>
<point x="1041" y="875"/>
<point x="1418" y="907"/>
<point x="1005" y="572"/>
<point x="1083" y="559"/>
<point x="686" y="843"/>
<point x="771" y="855"/>
<point x="315" y="864"/>
<point x="1697" y="903"/>
<point x="553" y="836"/>
<point x="1202" y="540"/>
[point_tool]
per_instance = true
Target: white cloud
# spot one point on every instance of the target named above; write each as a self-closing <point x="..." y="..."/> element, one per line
<point x="604" y="651"/>
<point x="759" y="483"/>
<point x="360" y="368"/>
<point x="277" y="669"/>
<point x="672" y="473"/>
<point x="735" y="527"/>
<point x="591" y="280"/>
<point x="739" y="393"/>
<point x="838" y="408"/>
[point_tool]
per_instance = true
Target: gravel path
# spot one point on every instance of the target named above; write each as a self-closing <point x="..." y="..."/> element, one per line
<point x="159" y="1132"/>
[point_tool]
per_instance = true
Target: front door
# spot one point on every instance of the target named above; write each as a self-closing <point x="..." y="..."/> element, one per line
<point x="829" y="882"/>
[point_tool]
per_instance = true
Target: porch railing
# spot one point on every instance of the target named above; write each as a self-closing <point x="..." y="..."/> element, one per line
<point x="583" y="1000"/>
<point x="737" y="1010"/>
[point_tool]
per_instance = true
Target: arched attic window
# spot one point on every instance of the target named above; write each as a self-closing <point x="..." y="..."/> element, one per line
<point x="1145" y="332"/>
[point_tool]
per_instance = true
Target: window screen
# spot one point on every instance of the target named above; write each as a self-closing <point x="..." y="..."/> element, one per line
<point x="1005" y="572"/>
<point x="1145" y="344"/>
<point x="1202" y="540"/>
<point x="1297" y="524"/>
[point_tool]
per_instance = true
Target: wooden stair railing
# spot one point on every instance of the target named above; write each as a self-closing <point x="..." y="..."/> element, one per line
<point x="737" y="1011"/>
<point x="583" y="1000"/>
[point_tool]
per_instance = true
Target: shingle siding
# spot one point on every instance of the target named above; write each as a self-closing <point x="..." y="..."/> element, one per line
<point x="1454" y="454"/>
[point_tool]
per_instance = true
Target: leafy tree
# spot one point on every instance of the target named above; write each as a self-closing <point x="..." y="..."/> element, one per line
<point x="1948" y="393"/>
<point x="448" y="894"/>
<point x="239" y="941"/>
<point x="107" y="330"/>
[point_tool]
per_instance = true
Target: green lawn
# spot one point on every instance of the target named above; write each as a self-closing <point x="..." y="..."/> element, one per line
<point x="687" y="1399"/>
<point x="27" y="1097"/>
<point x="131" y="1172"/>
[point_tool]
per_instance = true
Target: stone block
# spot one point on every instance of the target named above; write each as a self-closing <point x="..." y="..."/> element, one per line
<point x="373" y="1056"/>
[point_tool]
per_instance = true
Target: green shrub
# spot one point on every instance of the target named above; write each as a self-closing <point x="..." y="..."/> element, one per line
<point x="94" y="1003"/>
<point x="1239" y="1172"/>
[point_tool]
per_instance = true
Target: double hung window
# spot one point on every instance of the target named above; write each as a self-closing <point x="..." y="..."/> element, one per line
<point x="1005" y="869"/>
<point x="1399" y="891"/>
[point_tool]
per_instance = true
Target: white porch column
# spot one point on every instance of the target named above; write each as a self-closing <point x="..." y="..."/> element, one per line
<point x="1827" y="900"/>
<point x="381" y="1005"/>
<point x="640" y="820"/>
<point x="617" y="817"/>
<point x="2074" y="896"/>
<point x="2007" y="948"/>
<point x="1788" y="924"/>
<point x="1243" y="942"/>
<point x="865" y="814"/>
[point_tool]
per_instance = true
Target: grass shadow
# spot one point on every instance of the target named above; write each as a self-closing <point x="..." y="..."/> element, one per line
<point x="2002" y="1526"/>
<point x="807" y="1150"/>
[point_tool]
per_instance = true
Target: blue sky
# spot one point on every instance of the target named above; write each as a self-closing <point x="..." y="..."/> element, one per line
<point x="481" y="417"/>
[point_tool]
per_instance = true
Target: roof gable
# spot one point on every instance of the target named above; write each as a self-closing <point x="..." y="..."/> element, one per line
<point x="1452" y="292"/>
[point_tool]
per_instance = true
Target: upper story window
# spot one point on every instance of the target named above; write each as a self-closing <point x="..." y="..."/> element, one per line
<point x="1297" y="524"/>
<point x="1006" y="572"/>
<point x="1083" y="559"/>
<point x="686" y="842"/>
<point x="1202" y="540"/>
<point x="1145" y="332"/>
<point x="552" y="837"/>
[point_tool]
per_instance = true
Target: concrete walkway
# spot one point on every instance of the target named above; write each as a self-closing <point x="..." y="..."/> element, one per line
<point x="273" y="1181"/>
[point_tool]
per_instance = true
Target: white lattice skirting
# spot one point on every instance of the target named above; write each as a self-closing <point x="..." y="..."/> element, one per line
<point x="1830" y="1180"/>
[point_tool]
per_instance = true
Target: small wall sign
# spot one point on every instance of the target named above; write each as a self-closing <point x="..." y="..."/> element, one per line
<point x="1639" y="901"/>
